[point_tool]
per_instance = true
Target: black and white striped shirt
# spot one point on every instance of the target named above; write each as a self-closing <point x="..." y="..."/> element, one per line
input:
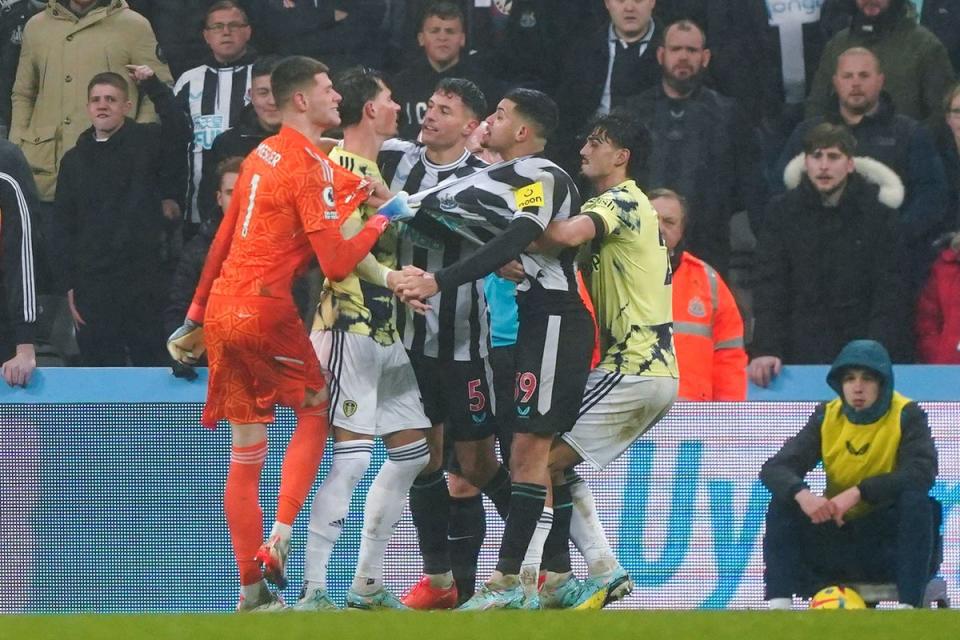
<point x="484" y="204"/>
<point x="214" y="97"/>
<point x="456" y="328"/>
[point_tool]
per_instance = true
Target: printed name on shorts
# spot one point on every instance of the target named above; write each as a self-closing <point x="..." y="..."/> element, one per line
<point x="529" y="196"/>
<point x="268" y="155"/>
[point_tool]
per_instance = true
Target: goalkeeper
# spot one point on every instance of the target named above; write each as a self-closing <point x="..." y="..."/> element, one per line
<point x="287" y="207"/>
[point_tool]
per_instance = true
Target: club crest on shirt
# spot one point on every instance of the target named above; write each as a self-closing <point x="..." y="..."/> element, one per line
<point x="448" y="202"/>
<point x="696" y="308"/>
<point x="349" y="408"/>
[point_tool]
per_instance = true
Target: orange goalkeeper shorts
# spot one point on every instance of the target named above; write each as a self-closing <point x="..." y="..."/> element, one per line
<point x="259" y="356"/>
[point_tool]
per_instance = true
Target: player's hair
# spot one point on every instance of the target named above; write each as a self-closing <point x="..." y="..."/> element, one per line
<point x="225" y="5"/>
<point x="264" y="65"/>
<point x="686" y="24"/>
<point x="443" y="9"/>
<point x="357" y="86"/>
<point x="826" y="135"/>
<point x="625" y="131"/>
<point x="230" y="164"/>
<point x="110" y="78"/>
<point x="468" y="92"/>
<point x="859" y="51"/>
<point x="537" y="108"/>
<point x="291" y="74"/>
<point x="663" y="192"/>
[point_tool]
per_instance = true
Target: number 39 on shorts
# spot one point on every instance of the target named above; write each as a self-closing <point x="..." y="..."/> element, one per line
<point x="526" y="387"/>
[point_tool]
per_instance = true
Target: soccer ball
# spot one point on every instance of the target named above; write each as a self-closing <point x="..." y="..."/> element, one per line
<point x="837" y="598"/>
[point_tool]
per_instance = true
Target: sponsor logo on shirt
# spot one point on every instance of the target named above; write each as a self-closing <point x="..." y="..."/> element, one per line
<point x="529" y="196"/>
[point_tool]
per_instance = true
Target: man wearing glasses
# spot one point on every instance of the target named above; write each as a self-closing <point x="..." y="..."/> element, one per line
<point x="215" y="92"/>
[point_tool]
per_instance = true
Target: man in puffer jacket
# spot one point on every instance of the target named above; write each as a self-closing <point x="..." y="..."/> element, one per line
<point x="938" y="310"/>
<point x="875" y="522"/>
<point x="827" y="270"/>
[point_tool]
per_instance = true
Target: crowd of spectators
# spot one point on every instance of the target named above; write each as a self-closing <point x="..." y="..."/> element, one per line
<point x="737" y="95"/>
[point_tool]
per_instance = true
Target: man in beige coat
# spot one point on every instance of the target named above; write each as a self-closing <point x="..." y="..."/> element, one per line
<point x="63" y="48"/>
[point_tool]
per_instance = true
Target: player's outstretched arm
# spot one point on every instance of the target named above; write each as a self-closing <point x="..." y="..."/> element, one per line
<point x="491" y="256"/>
<point x="568" y="233"/>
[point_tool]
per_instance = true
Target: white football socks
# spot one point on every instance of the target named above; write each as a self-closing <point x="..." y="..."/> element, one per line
<point x="530" y="567"/>
<point x="330" y="507"/>
<point x="587" y="533"/>
<point x="385" y="502"/>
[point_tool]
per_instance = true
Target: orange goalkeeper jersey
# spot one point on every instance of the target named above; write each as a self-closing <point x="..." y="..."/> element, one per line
<point x="287" y="189"/>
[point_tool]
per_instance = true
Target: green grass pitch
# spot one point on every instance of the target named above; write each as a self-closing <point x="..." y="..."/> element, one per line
<point x="501" y="625"/>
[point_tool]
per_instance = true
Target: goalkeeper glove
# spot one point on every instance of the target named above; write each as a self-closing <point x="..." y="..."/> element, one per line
<point x="186" y="343"/>
<point x="396" y="208"/>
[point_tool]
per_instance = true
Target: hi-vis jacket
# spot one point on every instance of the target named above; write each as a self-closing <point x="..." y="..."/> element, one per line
<point x="707" y="334"/>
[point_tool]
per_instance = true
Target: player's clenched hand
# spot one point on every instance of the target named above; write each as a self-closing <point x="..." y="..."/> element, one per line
<point x="817" y="508"/>
<point x="377" y="193"/>
<point x="417" y="287"/>
<point x="512" y="271"/>
<point x="186" y="344"/>
<point x="396" y="278"/>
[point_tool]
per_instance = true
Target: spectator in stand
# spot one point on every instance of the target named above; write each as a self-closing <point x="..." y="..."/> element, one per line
<point x="899" y="142"/>
<point x="63" y="48"/>
<point x="707" y="327"/>
<point x="13" y="17"/>
<point x="342" y="33"/>
<point x="258" y="120"/>
<point x="604" y="68"/>
<point x="18" y="316"/>
<point x="179" y="28"/>
<point x="941" y="17"/>
<point x="536" y="35"/>
<point x="702" y="145"/>
<point x="108" y="220"/>
<point x="916" y="64"/>
<point x="947" y="133"/>
<point x="827" y="270"/>
<point x="442" y="38"/>
<point x="215" y="93"/>
<point x="938" y="310"/>
<point x="187" y="274"/>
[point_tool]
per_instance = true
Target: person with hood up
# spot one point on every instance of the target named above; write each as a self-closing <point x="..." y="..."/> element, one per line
<point x="875" y="521"/>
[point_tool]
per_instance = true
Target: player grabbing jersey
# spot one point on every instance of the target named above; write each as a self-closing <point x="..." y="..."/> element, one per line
<point x="287" y="207"/>
<point x="636" y="382"/>
<point x="510" y="204"/>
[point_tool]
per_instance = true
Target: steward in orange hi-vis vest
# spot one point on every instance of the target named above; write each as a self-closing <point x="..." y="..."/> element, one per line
<point x="707" y="334"/>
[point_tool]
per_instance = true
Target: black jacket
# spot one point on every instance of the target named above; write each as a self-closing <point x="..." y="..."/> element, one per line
<point x="107" y="212"/>
<point x="826" y="276"/>
<point x="704" y="149"/>
<point x="584" y="75"/>
<point x="916" y="466"/>
<point x="908" y="148"/>
<point x="413" y="86"/>
<point x="309" y="28"/>
<point x="237" y="141"/>
<point x="13" y="17"/>
<point x="17" y="195"/>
